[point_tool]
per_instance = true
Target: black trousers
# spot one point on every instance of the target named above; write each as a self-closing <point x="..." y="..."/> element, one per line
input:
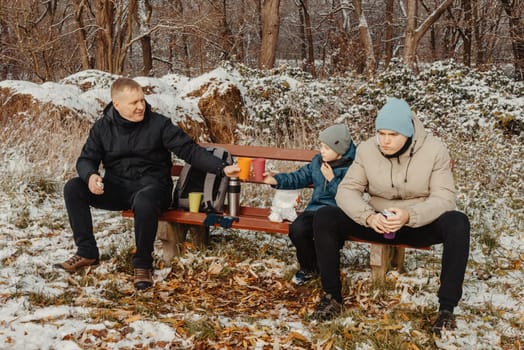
<point x="332" y="226"/>
<point x="147" y="203"/>
<point x="301" y="235"/>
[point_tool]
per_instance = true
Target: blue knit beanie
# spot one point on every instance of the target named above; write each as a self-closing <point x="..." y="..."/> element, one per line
<point x="337" y="137"/>
<point x="395" y="115"/>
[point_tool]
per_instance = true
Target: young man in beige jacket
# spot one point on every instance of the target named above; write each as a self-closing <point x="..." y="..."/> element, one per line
<point x="405" y="171"/>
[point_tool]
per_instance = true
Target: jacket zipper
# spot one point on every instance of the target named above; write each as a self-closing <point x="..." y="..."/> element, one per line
<point x="391" y="173"/>
<point x="411" y="151"/>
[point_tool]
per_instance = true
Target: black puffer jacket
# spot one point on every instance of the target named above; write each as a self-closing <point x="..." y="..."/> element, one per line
<point x="135" y="154"/>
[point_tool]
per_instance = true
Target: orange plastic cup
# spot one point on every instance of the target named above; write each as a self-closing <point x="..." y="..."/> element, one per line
<point x="245" y="168"/>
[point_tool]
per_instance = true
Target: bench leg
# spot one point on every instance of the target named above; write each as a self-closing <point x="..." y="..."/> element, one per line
<point x="382" y="257"/>
<point x="172" y="235"/>
<point x="379" y="261"/>
<point x="398" y="258"/>
<point x="199" y="235"/>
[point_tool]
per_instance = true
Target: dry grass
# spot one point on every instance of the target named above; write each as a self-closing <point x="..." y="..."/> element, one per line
<point x="56" y="136"/>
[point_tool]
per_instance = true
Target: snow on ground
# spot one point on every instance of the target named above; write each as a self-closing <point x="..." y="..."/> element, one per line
<point x="27" y="255"/>
<point x="42" y="308"/>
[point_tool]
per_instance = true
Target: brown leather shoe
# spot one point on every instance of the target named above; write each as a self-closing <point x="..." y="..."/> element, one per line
<point x="143" y="278"/>
<point x="76" y="262"/>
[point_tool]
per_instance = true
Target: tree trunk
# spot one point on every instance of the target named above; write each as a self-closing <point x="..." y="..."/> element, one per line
<point x="239" y="43"/>
<point x="515" y="12"/>
<point x="143" y="17"/>
<point x="477" y="34"/>
<point x="409" y="40"/>
<point x="467" y="37"/>
<point x="123" y="36"/>
<point x="103" y="51"/>
<point x="413" y="34"/>
<point x="388" y="32"/>
<point x="303" y="45"/>
<point x="365" y="39"/>
<point x="346" y="15"/>
<point x="179" y="8"/>
<point x="226" y="34"/>
<point x="79" y="6"/>
<point x="310" y="59"/>
<point x="270" y="27"/>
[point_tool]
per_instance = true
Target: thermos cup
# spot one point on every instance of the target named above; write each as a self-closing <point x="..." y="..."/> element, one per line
<point x="233" y="197"/>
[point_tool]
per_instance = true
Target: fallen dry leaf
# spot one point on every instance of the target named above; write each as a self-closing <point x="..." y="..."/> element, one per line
<point x="133" y="319"/>
<point x="215" y="268"/>
<point x="240" y="281"/>
<point x="295" y="336"/>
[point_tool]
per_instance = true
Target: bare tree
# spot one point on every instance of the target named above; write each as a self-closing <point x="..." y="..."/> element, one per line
<point x="104" y="35"/>
<point x="227" y="36"/>
<point x="309" y="64"/>
<point x="365" y="39"/>
<point x="302" y="34"/>
<point x="468" y="30"/>
<point x="142" y="11"/>
<point x="47" y="40"/>
<point x="239" y="40"/>
<point x="486" y="24"/>
<point x="345" y="6"/>
<point x="31" y="45"/>
<point x="388" y="32"/>
<point x="413" y="34"/>
<point x="79" y="8"/>
<point x="515" y="11"/>
<point x="114" y="35"/>
<point x="184" y="41"/>
<point x="270" y="21"/>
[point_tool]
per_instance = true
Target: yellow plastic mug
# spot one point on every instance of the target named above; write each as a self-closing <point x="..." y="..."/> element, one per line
<point x="195" y="198"/>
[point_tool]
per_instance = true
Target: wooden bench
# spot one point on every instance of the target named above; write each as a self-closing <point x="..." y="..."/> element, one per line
<point x="175" y="224"/>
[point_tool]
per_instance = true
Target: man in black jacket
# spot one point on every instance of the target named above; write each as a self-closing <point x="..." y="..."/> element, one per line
<point x="134" y="145"/>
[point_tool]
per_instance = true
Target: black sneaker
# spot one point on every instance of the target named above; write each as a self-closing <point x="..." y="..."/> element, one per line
<point x="327" y="309"/>
<point x="445" y="320"/>
<point x="302" y="276"/>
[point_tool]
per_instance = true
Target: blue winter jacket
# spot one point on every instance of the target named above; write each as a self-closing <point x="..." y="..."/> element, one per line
<point x="323" y="191"/>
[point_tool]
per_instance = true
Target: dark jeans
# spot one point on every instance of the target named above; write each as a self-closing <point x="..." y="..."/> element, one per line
<point x="147" y="202"/>
<point x="332" y="226"/>
<point x="301" y="235"/>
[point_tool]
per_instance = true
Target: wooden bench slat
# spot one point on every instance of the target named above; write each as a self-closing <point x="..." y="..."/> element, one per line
<point x="297" y="155"/>
<point x="254" y="219"/>
<point x="256" y="222"/>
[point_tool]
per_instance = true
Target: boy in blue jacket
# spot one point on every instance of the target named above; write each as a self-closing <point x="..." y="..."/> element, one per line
<point x="324" y="172"/>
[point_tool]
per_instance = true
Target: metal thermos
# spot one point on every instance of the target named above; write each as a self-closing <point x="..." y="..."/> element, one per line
<point x="233" y="196"/>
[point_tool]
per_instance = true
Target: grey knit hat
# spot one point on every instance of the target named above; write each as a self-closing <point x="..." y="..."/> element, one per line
<point x="396" y="115"/>
<point x="337" y="137"/>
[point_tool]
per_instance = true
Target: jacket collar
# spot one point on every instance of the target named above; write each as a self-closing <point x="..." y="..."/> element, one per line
<point x="404" y="148"/>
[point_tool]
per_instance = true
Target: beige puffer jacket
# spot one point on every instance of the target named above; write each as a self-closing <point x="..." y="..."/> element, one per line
<point x="420" y="181"/>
